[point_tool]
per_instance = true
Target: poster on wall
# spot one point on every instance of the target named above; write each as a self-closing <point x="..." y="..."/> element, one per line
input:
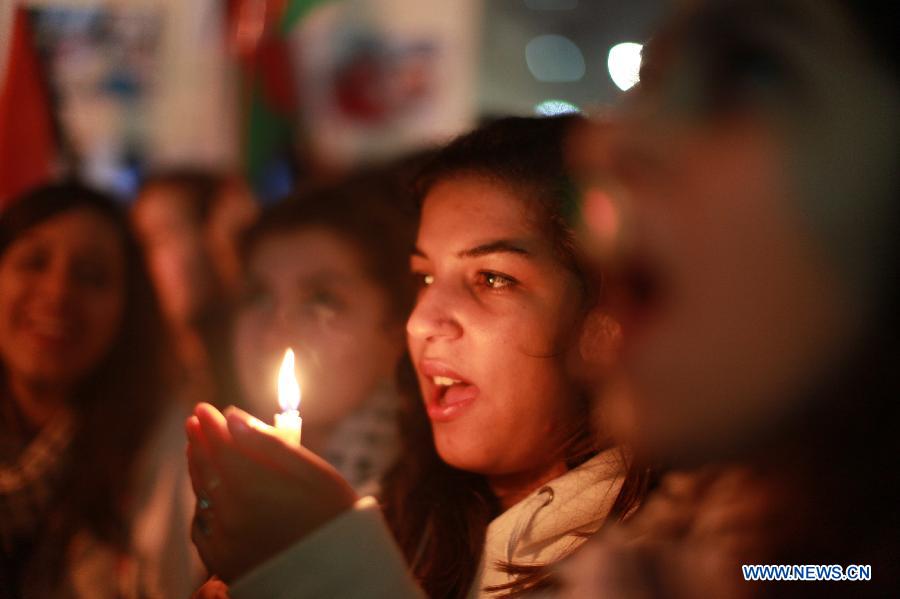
<point x="101" y="64"/>
<point x="381" y="77"/>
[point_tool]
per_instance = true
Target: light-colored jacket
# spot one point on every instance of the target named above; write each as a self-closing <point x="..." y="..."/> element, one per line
<point x="354" y="555"/>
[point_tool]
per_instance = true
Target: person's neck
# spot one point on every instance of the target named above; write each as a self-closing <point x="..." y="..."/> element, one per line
<point x="510" y="489"/>
<point x="38" y="403"/>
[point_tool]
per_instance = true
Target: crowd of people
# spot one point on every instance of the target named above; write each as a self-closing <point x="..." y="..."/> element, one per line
<point x="556" y="357"/>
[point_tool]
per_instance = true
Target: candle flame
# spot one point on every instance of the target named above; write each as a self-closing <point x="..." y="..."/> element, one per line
<point x="288" y="388"/>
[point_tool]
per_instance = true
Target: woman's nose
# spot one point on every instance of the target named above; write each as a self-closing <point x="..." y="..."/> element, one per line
<point x="281" y="325"/>
<point x="431" y="319"/>
<point x="56" y="284"/>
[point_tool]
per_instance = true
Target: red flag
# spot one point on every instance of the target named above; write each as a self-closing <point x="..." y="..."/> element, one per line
<point x="26" y="132"/>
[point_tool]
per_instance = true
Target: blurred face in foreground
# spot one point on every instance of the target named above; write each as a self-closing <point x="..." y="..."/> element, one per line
<point x="744" y="254"/>
<point x="492" y="329"/>
<point x="308" y="289"/>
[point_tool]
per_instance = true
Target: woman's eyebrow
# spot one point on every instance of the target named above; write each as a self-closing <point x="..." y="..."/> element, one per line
<point x="501" y="246"/>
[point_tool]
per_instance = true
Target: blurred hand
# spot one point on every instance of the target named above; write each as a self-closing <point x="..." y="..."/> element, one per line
<point x="212" y="589"/>
<point x="257" y="495"/>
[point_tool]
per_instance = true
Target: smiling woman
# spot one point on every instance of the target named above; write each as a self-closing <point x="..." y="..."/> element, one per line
<point x="61" y="304"/>
<point x="80" y="394"/>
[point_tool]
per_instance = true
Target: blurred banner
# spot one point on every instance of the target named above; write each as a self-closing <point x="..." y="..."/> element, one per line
<point x="382" y="77"/>
<point x="330" y="84"/>
<point x="135" y="85"/>
<point x="102" y="64"/>
<point x="278" y="89"/>
<point x="194" y="110"/>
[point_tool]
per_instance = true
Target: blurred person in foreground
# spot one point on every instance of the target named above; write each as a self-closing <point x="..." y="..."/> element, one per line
<point x="189" y="222"/>
<point x="85" y="511"/>
<point x="755" y="181"/>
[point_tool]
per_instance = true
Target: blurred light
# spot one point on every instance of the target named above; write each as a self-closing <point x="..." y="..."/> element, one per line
<point x="624" y="64"/>
<point x="555" y="108"/>
<point x="554" y="58"/>
<point x="551" y="4"/>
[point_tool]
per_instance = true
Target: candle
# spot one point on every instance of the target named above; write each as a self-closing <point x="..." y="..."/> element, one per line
<point x="288" y="423"/>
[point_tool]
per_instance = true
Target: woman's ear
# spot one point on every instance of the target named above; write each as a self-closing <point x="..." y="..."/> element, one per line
<point x="598" y="343"/>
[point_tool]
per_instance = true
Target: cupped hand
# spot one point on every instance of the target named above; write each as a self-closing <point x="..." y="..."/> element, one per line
<point x="257" y="495"/>
<point x="212" y="589"/>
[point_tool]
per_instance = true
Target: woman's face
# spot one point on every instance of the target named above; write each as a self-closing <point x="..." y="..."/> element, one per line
<point x="62" y="296"/>
<point x="175" y="252"/>
<point x="307" y="289"/>
<point x="492" y="329"/>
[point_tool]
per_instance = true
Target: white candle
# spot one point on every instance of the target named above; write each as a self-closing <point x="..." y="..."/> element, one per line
<point x="288" y="423"/>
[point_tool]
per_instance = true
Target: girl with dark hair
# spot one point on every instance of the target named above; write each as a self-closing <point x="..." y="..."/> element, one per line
<point x="502" y="473"/>
<point x="326" y="276"/>
<point x="510" y="445"/>
<point x="81" y="396"/>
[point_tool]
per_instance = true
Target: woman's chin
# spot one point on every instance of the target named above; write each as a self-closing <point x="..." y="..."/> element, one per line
<point x="460" y="454"/>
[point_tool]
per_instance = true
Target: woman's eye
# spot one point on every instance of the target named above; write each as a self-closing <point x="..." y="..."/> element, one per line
<point x="493" y="280"/>
<point x="32" y="261"/>
<point x="322" y="305"/>
<point x="92" y="275"/>
<point x="323" y="298"/>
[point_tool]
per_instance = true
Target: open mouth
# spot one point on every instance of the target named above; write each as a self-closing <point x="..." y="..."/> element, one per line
<point x="451" y="391"/>
<point x="446" y="392"/>
<point x="50" y="331"/>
